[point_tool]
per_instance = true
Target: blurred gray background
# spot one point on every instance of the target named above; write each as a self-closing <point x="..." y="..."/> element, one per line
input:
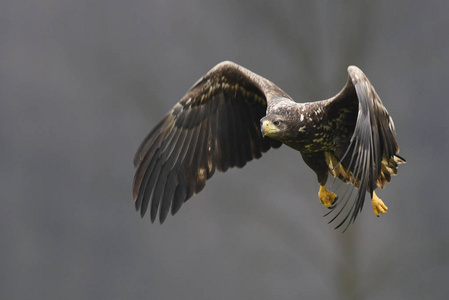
<point x="83" y="82"/>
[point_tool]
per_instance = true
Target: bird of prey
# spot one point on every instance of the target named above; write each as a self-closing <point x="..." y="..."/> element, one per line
<point x="232" y="115"/>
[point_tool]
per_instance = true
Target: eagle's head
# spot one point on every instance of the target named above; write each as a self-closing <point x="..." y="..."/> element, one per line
<point x="279" y="121"/>
<point x="273" y="126"/>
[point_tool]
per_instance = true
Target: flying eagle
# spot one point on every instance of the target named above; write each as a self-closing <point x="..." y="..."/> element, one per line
<point x="232" y="115"/>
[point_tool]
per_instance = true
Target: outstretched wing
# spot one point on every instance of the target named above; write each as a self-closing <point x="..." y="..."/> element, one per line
<point x="366" y="149"/>
<point x="216" y="125"/>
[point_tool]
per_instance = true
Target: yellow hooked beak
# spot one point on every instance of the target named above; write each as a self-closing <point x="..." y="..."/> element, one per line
<point x="267" y="128"/>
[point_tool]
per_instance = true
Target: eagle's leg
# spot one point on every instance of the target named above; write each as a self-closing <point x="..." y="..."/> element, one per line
<point x="326" y="197"/>
<point x="378" y="205"/>
<point x="317" y="162"/>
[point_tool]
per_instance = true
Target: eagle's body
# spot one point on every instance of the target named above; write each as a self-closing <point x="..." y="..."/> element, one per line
<point x="315" y="131"/>
<point x="232" y="115"/>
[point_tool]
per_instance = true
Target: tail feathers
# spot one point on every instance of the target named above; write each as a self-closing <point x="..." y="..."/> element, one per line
<point x="338" y="170"/>
<point x="389" y="167"/>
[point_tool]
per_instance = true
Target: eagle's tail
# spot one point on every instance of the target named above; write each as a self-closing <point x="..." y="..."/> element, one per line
<point x="389" y="167"/>
<point x="340" y="171"/>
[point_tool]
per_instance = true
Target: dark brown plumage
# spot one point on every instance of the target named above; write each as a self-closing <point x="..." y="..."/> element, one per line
<point x="232" y="115"/>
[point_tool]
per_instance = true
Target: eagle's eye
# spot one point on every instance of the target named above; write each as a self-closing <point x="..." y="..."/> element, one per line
<point x="276" y="123"/>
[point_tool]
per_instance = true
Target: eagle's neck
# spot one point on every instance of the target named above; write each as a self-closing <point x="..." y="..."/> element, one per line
<point x="310" y="131"/>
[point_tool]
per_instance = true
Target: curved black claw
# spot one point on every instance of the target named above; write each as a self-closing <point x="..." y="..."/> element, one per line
<point x="334" y="203"/>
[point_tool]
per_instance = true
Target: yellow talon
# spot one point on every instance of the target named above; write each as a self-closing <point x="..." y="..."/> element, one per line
<point x="378" y="205"/>
<point x="326" y="197"/>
